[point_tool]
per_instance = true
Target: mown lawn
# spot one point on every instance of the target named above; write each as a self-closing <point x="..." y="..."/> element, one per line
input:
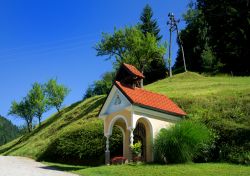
<point x="206" y="169"/>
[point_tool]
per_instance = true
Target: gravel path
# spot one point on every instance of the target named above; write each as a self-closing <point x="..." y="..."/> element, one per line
<point x="20" y="166"/>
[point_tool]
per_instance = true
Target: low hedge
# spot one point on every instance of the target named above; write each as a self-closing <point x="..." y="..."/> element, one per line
<point x="83" y="143"/>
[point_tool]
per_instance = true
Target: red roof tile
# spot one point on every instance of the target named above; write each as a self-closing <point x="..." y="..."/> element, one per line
<point x="149" y="99"/>
<point x="133" y="70"/>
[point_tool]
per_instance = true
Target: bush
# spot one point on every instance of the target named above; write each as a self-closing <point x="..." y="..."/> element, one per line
<point x="85" y="144"/>
<point x="182" y="142"/>
<point x="240" y="157"/>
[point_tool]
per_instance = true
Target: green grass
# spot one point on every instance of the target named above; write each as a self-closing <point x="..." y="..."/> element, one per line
<point x="222" y="101"/>
<point x="208" y="169"/>
<point x="34" y="145"/>
<point x="193" y="85"/>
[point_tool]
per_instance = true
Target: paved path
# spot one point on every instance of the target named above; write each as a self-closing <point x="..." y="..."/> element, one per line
<point x="19" y="166"/>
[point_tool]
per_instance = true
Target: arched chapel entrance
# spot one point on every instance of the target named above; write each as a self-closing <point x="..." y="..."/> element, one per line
<point x="138" y="113"/>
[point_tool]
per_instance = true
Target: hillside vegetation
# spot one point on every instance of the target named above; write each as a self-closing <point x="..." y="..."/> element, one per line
<point x="75" y="135"/>
<point x="222" y="103"/>
<point x="8" y="131"/>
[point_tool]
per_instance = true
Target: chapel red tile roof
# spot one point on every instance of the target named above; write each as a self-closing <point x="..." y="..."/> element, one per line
<point x="133" y="70"/>
<point x="149" y="99"/>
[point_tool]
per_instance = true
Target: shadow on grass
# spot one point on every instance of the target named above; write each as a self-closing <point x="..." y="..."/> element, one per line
<point x="67" y="168"/>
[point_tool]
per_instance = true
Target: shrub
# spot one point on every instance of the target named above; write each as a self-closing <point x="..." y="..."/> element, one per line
<point x="84" y="144"/>
<point x="136" y="148"/>
<point x="182" y="142"/>
<point x="240" y="157"/>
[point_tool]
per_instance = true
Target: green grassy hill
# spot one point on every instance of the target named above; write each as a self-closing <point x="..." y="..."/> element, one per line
<point x="76" y="135"/>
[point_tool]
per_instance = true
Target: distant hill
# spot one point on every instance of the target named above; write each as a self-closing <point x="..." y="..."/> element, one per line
<point x="8" y="131"/>
<point x="75" y="135"/>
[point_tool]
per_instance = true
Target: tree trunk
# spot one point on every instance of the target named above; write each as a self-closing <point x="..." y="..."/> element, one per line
<point x="58" y="109"/>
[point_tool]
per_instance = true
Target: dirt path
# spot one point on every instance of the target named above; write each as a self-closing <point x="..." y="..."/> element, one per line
<point x="19" y="166"/>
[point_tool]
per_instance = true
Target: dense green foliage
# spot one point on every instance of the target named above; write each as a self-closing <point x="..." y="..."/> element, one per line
<point x="131" y="46"/>
<point x="182" y="143"/>
<point x="74" y="135"/>
<point x="205" y="169"/>
<point x="221" y="103"/>
<point x="149" y="25"/>
<point x="139" y="46"/>
<point x="23" y="110"/>
<point x="84" y="144"/>
<point x="8" y="131"/>
<point x="216" y="37"/>
<point x="38" y="100"/>
<point x="100" y="87"/>
<point x="55" y="93"/>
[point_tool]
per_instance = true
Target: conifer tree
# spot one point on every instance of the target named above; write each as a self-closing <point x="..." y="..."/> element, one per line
<point x="148" y="24"/>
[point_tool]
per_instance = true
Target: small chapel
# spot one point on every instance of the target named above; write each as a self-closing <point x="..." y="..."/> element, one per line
<point x="138" y="113"/>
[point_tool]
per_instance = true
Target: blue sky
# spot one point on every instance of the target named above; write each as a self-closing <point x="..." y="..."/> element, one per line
<point x="46" y="39"/>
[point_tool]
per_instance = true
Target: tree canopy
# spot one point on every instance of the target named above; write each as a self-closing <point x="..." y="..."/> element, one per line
<point x="24" y="110"/>
<point x="216" y="37"/>
<point x="131" y="46"/>
<point x="55" y="93"/>
<point x="38" y="100"/>
<point x="149" y="25"/>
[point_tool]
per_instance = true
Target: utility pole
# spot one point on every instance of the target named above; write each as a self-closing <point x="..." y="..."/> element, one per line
<point x="172" y="27"/>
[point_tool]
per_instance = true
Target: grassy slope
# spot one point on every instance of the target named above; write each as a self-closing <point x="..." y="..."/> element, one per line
<point x="204" y="97"/>
<point x="199" y="96"/>
<point x="34" y="144"/>
<point x="192" y="85"/>
<point x="191" y="91"/>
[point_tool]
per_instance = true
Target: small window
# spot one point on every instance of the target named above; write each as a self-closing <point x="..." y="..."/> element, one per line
<point x="117" y="100"/>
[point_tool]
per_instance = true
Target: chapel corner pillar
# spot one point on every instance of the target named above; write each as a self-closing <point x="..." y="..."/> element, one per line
<point x="131" y="142"/>
<point x="107" y="151"/>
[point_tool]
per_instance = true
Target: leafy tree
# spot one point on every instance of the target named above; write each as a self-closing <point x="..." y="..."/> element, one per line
<point x="219" y="29"/>
<point x="24" y="110"/>
<point x="194" y="38"/>
<point x="55" y="93"/>
<point x="149" y="25"/>
<point x="38" y="100"/>
<point x="102" y="86"/>
<point x="229" y="23"/>
<point x="130" y="45"/>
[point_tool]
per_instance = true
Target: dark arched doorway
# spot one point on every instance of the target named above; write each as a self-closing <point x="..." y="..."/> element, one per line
<point x="140" y="135"/>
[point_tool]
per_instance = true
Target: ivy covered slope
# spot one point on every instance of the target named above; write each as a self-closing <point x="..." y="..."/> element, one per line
<point x="8" y="131"/>
<point x="222" y="103"/>
<point x="74" y="135"/>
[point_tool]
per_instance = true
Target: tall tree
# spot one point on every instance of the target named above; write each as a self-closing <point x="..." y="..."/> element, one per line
<point x="24" y="110"/>
<point x="149" y="25"/>
<point x="130" y="45"/>
<point x="38" y="100"/>
<point x="55" y="93"/>
<point x="229" y="24"/>
<point x="216" y="37"/>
